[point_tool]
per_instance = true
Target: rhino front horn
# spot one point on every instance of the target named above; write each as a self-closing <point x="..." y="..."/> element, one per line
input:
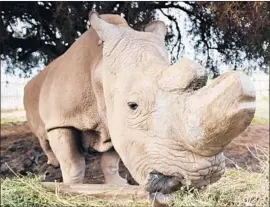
<point x="218" y="112"/>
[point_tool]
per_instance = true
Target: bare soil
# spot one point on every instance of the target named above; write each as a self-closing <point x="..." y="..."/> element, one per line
<point x="20" y="150"/>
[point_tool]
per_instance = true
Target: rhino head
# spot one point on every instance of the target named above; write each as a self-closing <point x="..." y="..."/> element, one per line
<point x="167" y="126"/>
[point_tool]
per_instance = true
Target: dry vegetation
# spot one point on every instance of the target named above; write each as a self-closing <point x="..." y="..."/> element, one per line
<point x="238" y="187"/>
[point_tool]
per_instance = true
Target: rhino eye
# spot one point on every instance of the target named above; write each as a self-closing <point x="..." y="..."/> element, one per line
<point x="132" y="105"/>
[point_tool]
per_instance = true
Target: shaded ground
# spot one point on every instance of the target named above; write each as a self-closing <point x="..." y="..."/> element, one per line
<point x="22" y="152"/>
<point x="20" y="149"/>
<point x="242" y="151"/>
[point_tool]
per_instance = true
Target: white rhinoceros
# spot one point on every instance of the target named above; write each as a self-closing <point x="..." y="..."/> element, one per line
<point x="114" y="88"/>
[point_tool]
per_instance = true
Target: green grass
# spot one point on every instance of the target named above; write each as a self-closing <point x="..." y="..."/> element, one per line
<point x="264" y="98"/>
<point x="10" y="110"/>
<point x="238" y="187"/>
<point x="12" y="121"/>
<point x="259" y="120"/>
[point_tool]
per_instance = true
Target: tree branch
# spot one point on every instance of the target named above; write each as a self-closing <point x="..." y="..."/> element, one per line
<point x="178" y="41"/>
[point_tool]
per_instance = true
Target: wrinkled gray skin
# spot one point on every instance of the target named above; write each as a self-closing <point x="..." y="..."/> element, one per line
<point x="167" y="128"/>
<point x="167" y="133"/>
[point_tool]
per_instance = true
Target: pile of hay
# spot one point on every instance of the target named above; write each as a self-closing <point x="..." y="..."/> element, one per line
<point x="238" y="187"/>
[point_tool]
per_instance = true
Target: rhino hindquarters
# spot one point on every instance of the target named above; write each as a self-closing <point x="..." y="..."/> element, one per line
<point x="64" y="144"/>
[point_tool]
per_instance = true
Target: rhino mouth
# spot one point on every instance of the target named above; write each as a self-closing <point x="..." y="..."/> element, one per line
<point x="162" y="183"/>
<point x="161" y="186"/>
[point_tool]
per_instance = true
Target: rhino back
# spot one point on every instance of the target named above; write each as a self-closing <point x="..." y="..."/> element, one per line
<point x="66" y="95"/>
<point x="68" y="92"/>
<point x="62" y="94"/>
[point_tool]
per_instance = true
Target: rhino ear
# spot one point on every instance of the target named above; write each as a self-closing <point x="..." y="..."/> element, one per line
<point x="156" y="27"/>
<point x="103" y="28"/>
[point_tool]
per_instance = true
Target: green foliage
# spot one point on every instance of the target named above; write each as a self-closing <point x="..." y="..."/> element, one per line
<point x="259" y="120"/>
<point x="237" y="31"/>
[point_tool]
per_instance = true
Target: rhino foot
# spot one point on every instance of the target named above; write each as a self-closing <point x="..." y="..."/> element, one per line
<point x="53" y="163"/>
<point x="52" y="160"/>
<point x="115" y="180"/>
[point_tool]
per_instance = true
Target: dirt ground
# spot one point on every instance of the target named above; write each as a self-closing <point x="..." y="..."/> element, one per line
<point x="21" y="151"/>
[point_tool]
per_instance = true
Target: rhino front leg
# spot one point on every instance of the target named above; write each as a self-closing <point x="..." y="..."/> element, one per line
<point x="110" y="167"/>
<point x="64" y="144"/>
<point x="52" y="160"/>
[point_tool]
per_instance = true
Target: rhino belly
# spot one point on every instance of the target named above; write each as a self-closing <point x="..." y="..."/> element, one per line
<point x="97" y="140"/>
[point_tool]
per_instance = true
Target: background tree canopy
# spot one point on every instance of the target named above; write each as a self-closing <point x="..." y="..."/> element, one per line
<point x="35" y="32"/>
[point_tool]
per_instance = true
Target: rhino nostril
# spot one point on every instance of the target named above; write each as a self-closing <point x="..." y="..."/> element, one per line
<point x="161" y="183"/>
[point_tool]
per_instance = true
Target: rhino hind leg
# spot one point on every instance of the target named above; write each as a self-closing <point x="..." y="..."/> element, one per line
<point x="64" y="144"/>
<point x="52" y="160"/>
<point x="110" y="167"/>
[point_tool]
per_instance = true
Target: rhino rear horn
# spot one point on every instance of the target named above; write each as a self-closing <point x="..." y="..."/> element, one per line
<point x="184" y="76"/>
<point x="104" y="29"/>
<point x="156" y="27"/>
